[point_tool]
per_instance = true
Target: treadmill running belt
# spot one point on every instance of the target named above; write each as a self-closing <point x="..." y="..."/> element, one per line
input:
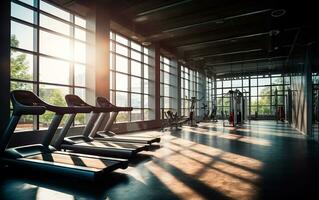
<point x="107" y="144"/>
<point x="73" y="160"/>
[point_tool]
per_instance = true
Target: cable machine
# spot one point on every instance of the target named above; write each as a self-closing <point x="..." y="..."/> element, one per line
<point x="283" y="110"/>
<point x="237" y="108"/>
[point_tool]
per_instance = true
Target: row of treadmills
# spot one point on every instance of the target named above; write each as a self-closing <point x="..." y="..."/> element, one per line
<point x="88" y="155"/>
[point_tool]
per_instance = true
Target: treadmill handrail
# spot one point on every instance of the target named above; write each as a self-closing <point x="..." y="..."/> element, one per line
<point x="28" y="98"/>
<point x="105" y="103"/>
<point x="75" y="101"/>
<point x="23" y="109"/>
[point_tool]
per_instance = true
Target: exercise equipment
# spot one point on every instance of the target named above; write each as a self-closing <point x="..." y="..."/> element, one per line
<point x="213" y="114"/>
<point x="283" y="110"/>
<point x="237" y="108"/>
<point x="206" y="112"/>
<point x="107" y="135"/>
<point x="173" y="120"/>
<point x="209" y="115"/>
<point x="43" y="156"/>
<point x="85" y="143"/>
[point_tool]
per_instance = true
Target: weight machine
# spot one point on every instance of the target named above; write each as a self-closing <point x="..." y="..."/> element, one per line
<point x="283" y="108"/>
<point x="237" y="108"/>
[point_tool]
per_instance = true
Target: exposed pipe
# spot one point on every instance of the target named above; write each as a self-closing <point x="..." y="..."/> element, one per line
<point x="241" y="61"/>
<point x="216" y="20"/>
<point x="163" y="8"/>
<point x="228" y="53"/>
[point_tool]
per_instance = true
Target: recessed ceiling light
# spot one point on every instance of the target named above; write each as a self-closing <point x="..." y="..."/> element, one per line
<point x="274" y="32"/>
<point x="134" y="37"/>
<point x="278" y="12"/>
<point x="146" y="43"/>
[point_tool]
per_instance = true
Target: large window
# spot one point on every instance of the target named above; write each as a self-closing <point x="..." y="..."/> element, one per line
<point x="168" y="84"/>
<point x="132" y="78"/>
<point x="48" y="55"/>
<point x="191" y="86"/>
<point x="261" y="89"/>
<point x="209" y="93"/>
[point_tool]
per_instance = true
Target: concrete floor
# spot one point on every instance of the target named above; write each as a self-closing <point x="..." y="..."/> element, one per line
<point x="261" y="160"/>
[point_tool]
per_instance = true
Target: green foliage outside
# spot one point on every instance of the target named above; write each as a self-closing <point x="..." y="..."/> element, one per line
<point x="20" y="70"/>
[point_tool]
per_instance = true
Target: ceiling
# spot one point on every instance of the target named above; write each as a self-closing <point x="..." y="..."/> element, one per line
<point x="223" y="37"/>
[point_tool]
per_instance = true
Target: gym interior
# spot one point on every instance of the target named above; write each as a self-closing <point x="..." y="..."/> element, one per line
<point x="174" y="99"/>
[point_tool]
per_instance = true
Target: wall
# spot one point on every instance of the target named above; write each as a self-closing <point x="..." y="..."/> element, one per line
<point x="301" y="85"/>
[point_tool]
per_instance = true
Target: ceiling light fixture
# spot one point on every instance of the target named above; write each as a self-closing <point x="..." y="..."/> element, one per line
<point x="146" y="43"/>
<point x="278" y="13"/>
<point x="274" y="32"/>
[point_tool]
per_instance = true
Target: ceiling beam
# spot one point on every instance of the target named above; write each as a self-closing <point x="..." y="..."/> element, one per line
<point x="147" y="12"/>
<point x="225" y="39"/>
<point x="228" y="53"/>
<point x="250" y="60"/>
<point x="220" y="20"/>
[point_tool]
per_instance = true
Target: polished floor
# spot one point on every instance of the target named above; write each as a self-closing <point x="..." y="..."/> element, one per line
<point x="261" y="160"/>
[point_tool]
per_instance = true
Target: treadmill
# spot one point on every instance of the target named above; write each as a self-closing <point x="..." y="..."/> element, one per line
<point x="43" y="156"/>
<point x="106" y="133"/>
<point x="83" y="143"/>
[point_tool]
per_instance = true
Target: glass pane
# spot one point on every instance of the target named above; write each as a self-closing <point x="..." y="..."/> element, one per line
<point x="136" y="100"/>
<point x="121" y="40"/>
<point x="22" y="36"/>
<point x="52" y="95"/>
<point x="80" y="34"/>
<point x="136" y="84"/>
<point x="121" y="64"/>
<point x="236" y="83"/>
<point x="245" y="82"/>
<point x="136" y="56"/>
<point x="122" y="117"/>
<point x="54" y="45"/>
<point x="166" y="60"/>
<point x="111" y="61"/>
<point x="121" y="99"/>
<point x="146" y="71"/>
<point x="81" y="117"/>
<point x="136" y="115"/>
<point x="121" y="82"/>
<point x="148" y="87"/>
<point x="53" y="10"/>
<point x="29" y="2"/>
<point x="264" y="81"/>
<point x="146" y="51"/>
<point x="136" y="46"/>
<point x="80" y="52"/>
<point x="253" y="82"/>
<point x="22" y="13"/>
<point x="263" y="91"/>
<point x="25" y="123"/>
<point x="21" y="65"/>
<point x="55" y="25"/>
<point x="253" y="101"/>
<point x="265" y="100"/>
<point x="79" y="75"/>
<point x="147" y="101"/>
<point x="54" y="71"/>
<point x="17" y="85"/>
<point x="146" y="60"/>
<point x="136" y="68"/>
<point x="121" y="50"/>
<point x="226" y="83"/>
<point x="277" y="80"/>
<point x="253" y="91"/>
<point x="80" y="21"/>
